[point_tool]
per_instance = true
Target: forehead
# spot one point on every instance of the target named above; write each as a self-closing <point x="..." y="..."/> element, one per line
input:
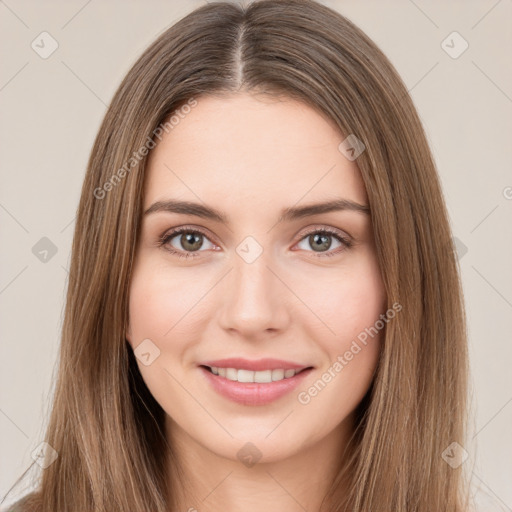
<point x="251" y="151"/>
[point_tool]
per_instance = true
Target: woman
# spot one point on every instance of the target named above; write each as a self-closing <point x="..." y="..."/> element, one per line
<point x="264" y="309"/>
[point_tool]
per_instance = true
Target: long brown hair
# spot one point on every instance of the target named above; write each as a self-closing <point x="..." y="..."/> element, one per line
<point x="106" y="427"/>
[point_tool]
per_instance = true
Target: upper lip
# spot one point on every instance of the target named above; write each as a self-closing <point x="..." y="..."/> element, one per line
<point x="255" y="365"/>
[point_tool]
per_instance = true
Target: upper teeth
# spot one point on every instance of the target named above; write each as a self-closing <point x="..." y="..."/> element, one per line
<point x="263" y="376"/>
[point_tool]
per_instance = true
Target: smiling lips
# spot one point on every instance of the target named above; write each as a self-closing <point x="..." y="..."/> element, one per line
<point x="262" y="377"/>
<point x="253" y="382"/>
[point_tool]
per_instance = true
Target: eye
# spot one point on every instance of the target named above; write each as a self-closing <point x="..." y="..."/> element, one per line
<point x="321" y="241"/>
<point x="187" y="242"/>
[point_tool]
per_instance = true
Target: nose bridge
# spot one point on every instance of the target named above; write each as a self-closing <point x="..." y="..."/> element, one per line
<point x="254" y="294"/>
<point x="252" y="279"/>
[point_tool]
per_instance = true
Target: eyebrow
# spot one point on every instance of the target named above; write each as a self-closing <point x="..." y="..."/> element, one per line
<point x="287" y="214"/>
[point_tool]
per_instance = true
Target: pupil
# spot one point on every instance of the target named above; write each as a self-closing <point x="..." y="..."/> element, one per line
<point x="320" y="241"/>
<point x="188" y="241"/>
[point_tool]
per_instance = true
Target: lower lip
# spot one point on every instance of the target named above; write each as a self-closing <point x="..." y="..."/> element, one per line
<point x="254" y="393"/>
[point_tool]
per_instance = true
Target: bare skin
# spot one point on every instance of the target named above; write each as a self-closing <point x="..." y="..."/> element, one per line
<point x="250" y="157"/>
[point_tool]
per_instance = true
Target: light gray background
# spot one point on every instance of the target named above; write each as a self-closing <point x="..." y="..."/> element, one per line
<point x="51" y="110"/>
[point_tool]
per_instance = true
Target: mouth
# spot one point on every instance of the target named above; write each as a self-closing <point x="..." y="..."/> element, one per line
<point x="271" y="380"/>
<point x="251" y="376"/>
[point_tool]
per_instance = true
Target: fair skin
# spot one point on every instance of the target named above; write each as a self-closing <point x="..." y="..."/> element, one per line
<point x="250" y="157"/>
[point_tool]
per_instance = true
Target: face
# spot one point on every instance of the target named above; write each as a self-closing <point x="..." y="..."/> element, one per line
<point x="244" y="276"/>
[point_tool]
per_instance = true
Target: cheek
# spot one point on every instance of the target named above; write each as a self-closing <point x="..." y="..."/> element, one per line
<point x="351" y="347"/>
<point x="350" y="301"/>
<point x="148" y="314"/>
<point x="166" y="309"/>
<point x="159" y="311"/>
<point x="162" y="307"/>
<point x="356" y="301"/>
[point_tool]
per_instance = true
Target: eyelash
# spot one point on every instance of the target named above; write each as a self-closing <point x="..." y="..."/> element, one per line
<point x="166" y="237"/>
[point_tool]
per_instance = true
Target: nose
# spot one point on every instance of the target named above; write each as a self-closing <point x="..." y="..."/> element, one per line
<point x="256" y="300"/>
